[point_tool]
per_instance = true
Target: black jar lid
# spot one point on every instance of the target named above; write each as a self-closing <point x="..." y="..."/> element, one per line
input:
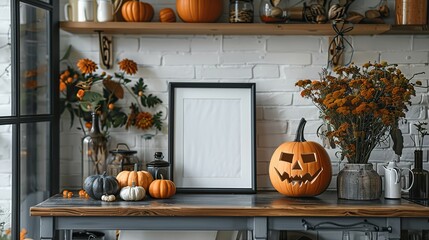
<point x="122" y="151"/>
<point x="158" y="162"/>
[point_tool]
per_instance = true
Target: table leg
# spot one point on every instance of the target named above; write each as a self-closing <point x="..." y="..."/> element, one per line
<point x="68" y="234"/>
<point x="260" y="228"/>
<point x="46" y="228"/>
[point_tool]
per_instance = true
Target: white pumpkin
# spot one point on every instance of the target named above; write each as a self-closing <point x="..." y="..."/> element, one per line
<point x="108" y="198"/>
<point x="133" y="193"/>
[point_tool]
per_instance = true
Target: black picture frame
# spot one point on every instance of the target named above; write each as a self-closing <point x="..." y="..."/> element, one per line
<point x="205" y="152"/>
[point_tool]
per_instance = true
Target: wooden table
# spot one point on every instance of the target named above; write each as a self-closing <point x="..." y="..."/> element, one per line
<point x="260" y="213"/>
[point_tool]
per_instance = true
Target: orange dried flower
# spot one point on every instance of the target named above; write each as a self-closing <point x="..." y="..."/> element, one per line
<point x="144" y="120"/>
<point x="370" y="100"/>
<point x="128" y="66"/>
<point x="86" y="66"/>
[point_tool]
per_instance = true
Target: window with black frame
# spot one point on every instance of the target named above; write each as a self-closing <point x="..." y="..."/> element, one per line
<point x="29" y="139"/>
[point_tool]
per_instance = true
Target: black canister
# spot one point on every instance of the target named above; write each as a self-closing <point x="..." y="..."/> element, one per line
<point x="159" y="168"/>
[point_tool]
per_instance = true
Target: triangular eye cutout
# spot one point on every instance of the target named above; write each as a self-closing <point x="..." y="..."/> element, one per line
<point x="287" y="157"/>
<point x="308" y="157"/>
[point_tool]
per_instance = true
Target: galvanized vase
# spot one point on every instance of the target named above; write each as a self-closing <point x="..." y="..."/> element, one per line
<point x="358" y="182"/>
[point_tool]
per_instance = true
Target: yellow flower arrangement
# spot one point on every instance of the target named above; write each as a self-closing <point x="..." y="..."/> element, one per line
<point x="360" y="105"/>
<point x="80" y="99"/>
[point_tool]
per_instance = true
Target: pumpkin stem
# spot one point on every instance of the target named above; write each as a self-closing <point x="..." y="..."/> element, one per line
<point x="133" y="184"/>
<point x="136" y="167"/>
<point x="300" y="131"/>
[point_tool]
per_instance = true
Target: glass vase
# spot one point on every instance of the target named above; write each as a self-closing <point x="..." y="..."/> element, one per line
<point x="420" y="188"/>
<point x="94" y="151"/>
<point x="358" y="182"/>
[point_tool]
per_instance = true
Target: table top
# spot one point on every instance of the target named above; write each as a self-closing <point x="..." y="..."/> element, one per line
<point x="267" y="204"/>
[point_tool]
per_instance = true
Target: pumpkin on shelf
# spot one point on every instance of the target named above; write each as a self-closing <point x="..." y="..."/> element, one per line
<point x="132" y="193"/>
<point x="167" y="15"/>
<point x="98" y="185"/>
<point x="108" y="198"/>
<point x="300" y="168"/>
<point x="199" y="11"/>
<point x="136" y="11"/>
<point x="162" y="188"/>
<point x="139" y="178"/>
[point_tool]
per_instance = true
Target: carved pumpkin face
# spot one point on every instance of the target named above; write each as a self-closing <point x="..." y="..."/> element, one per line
<point x="300" y="168"/>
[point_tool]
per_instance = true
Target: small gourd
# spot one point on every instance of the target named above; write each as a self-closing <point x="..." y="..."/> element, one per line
<point x="167" y="15"/>
<point x="162" y="188"/>
<point x="108" y="198"/>
<point x="133" y="193"/>
<point x="98" y="185"/>
<point x="140" y="178"/>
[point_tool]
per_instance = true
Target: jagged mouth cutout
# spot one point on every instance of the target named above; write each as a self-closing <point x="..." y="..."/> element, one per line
<point x="298" y="179"/>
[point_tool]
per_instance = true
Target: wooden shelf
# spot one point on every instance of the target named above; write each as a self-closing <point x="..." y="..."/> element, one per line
<point x="217" y="28"/>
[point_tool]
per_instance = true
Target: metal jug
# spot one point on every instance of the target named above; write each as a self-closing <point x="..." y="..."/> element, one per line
<point x="392" y="180"/>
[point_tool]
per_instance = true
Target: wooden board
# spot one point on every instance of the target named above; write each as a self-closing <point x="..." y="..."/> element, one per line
<point x="216" y="28"/>
<point x="261" y="204"/>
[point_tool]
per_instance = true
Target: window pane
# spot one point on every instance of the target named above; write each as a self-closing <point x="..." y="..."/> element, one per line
<point x="34" y="172"/>
<point x="34" y="55"/>
<point x="5" y="179"/>
<point x="5" y="60"/>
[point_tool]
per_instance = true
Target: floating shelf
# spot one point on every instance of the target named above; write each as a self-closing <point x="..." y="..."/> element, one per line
<point x="220" y="28"/>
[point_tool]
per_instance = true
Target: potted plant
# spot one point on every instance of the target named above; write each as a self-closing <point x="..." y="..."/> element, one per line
<point x="360" y="106"/>
<point x="94" y="99"/>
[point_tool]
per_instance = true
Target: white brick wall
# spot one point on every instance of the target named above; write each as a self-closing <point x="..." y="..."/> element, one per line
<point x="274" y="63"/>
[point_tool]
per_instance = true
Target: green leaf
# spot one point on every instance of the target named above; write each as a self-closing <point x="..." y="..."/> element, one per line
<point x="66" y="54"/>
<point x="150" y="100"/>
<point x="157" y="120"/>
<point x="91" y="100"/>
<point x="398" y="141"/>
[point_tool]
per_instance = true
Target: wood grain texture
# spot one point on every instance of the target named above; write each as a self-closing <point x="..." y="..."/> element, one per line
<point x="261" y="204"/>
<point x="217" y="28"/>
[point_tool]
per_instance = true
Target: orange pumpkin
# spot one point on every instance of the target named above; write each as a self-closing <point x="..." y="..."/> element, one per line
<point x="199" y="11"/>
<point x="140" y="178"/>
<point x="162" y="188"/>
<point x="136" y="11"/>
<point x="300" y="168"/>
<point x="167" y="15"/>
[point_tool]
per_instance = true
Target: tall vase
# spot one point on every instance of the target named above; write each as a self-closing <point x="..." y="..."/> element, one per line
<point x="420" y="188"/>
<point x="94" y="151"/>
<point x="358" y="182"/>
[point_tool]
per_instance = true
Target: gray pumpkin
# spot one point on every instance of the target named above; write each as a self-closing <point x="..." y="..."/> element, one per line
<point x="99" y="185"/>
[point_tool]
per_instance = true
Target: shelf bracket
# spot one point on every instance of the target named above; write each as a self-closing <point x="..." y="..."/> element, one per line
<point x="106" y="50"/>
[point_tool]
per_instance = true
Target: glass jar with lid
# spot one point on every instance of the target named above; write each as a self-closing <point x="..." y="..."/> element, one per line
<point x="273" y="11"/>
<point x="240" y="11"/>
<point x="121" y="159"/>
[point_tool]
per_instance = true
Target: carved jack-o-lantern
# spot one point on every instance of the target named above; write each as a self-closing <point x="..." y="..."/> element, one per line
<point x="300" y="168"/>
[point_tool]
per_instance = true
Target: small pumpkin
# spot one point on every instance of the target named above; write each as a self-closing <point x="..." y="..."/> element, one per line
<point x="162" y="188"/>
<point x="199" y="11"/>
<point x="108" y="198"/>
<point x="167" y="15"/>
<point x="300" y="168"/>
<point x="140" y="178"/>
<point x="136" y="11"/>
<point x="133" y="193"/>
<point x="98" y="185"/>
